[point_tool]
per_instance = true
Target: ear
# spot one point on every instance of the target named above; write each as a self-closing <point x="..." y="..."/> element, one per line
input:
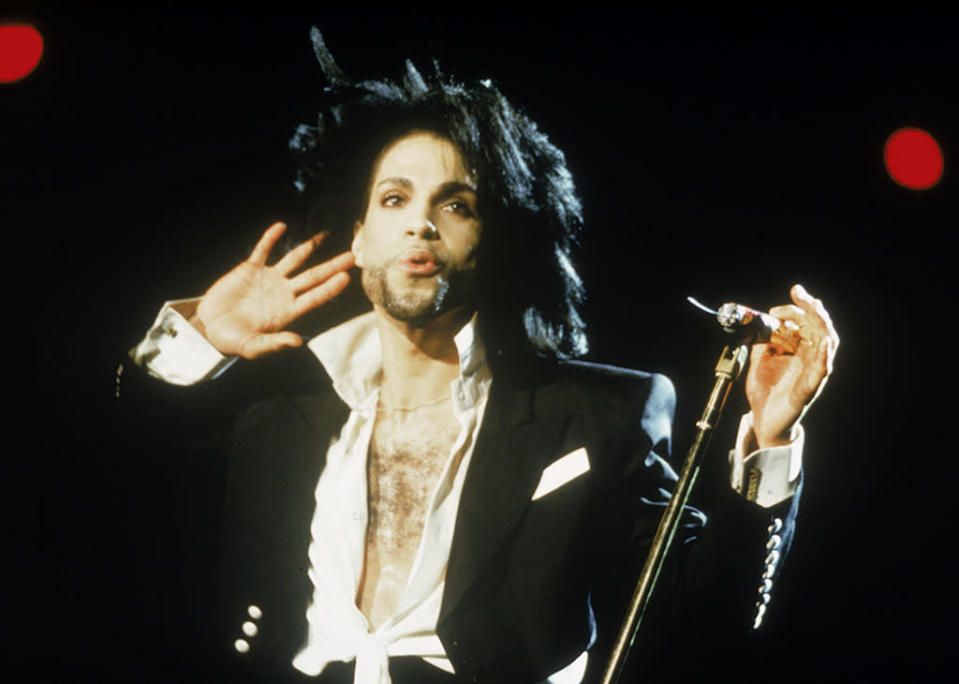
<point x="357" y="245"/>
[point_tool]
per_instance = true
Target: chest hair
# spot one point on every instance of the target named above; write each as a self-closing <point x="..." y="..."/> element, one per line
<point x="408" y="453"/>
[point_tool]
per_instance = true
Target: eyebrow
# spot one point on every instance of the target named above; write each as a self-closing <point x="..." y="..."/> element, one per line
<point x="396" y="180"/>
<point x="453" y="188"/>
<point x="445" y="190"/>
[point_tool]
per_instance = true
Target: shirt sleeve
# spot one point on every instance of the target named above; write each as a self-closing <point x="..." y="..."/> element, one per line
<point x="175" y="352"/>
<point x="765" y="476"/>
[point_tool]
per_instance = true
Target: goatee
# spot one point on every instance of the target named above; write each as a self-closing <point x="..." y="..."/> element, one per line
<point x="417" y="306"/>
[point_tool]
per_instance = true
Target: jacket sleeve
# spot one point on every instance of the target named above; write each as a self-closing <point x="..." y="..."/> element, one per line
<point x="716" y="584"/>
<point x="170" y="479"/>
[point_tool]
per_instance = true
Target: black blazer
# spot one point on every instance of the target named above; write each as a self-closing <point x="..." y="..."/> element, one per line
<point x="530" y="584"/>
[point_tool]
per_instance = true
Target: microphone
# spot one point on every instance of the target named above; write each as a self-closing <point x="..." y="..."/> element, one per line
<point x="738" y="319"/>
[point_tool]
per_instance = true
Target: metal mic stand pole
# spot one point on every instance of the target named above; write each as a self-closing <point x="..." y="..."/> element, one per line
<point x="728" y="368"/>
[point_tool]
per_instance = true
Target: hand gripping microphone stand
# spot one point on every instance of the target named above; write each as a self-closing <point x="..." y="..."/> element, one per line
<point x="751" y="326"/>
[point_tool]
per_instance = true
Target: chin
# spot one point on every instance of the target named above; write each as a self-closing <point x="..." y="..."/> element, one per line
<point x="416" y="301"/>
<point x="415" y="305"/>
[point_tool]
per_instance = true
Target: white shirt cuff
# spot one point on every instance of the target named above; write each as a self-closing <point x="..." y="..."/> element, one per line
<point x="175" y="352"/>
<point x="766" y="476"/>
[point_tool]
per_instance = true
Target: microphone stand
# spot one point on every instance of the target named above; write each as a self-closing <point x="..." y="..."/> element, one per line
<point x="728" y="369"/>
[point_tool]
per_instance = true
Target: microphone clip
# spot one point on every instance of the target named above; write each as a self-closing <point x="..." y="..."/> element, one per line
<point x="749" y="323"/>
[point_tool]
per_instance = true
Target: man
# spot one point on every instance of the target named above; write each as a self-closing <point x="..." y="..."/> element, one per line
<point x="458" y="497"/>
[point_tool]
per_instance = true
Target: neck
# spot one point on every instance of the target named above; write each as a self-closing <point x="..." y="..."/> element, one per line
<point x="419" y="362"/>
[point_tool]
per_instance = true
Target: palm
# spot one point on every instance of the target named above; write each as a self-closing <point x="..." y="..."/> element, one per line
<point x="245" y="312"/>
<point x="246" y="302"/>
<point x="780" y="386"/>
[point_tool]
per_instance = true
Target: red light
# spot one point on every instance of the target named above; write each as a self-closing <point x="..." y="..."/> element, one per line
<point x="913" y="159"/>
<point x="21" y="47"/>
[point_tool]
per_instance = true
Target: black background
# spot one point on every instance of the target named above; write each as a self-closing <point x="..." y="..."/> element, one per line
<point x="725" y="157"/>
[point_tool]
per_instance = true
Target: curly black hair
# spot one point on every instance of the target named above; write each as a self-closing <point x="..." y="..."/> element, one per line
<point x="529" y="291"/>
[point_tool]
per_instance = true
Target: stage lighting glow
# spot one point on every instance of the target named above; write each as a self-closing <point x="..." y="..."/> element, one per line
<point x="913" y="159"/>
<point x="21" y="47"/>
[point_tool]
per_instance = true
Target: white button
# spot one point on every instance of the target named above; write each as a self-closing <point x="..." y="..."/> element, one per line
<point x="769" y="572"/>
<point x="249" y="629"/>
<point x="774" y="542"/>
<point x="765" y="599"/>
<point x="776" y="525"/>
<point x="760" y="610"/>
<point x="241" y="645"/>
<point x="255" y="612"/>
<point x="773" y="557"/>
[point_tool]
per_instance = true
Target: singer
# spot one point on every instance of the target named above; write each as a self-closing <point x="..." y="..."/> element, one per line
<point x="449" y="495"/>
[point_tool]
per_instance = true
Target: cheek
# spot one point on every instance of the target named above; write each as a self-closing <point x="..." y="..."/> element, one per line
<point x="368" y="241"/>
<point x="374" y="252"/>
<point x="472" y="244"/>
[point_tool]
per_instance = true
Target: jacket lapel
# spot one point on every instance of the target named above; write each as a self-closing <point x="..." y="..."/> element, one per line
<point x="511" y="451"/>
<point x="313" y="420"/>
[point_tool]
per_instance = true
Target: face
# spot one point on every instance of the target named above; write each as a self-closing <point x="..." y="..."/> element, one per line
<point x="417" y="242"/>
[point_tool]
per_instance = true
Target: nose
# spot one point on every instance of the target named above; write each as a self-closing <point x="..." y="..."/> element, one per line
<point x="424" y="229"/>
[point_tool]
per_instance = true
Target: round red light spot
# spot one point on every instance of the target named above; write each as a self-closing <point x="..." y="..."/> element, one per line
<point x="913" y="158"/>
<point x="21" y="47"/>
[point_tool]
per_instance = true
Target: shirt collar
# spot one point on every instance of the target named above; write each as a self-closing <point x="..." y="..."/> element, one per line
<point x="353" y="359"/>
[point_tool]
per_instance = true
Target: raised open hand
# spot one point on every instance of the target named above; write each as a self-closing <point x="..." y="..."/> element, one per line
<point x="780" y="387"/>
<point x="245" y="312"/>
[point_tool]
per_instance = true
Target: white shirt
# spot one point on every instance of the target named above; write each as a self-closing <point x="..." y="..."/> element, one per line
<point x="175" y="352"/>
<point x="337" y="629"/>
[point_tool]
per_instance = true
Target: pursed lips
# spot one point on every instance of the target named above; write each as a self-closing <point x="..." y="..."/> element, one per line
<point x="419" y="261"/>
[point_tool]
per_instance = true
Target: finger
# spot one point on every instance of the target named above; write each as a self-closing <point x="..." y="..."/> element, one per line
<point x="318" y="274"/>
<point x="266" y="244"/>
<point x="829" y="353"/>
<point x="814" y="307"/>
<point x="293" y="259"/>
<point x="812" y="320"/>
<point x="797" y="318"/>
<point x="792" y="313"/>
<point x="321" y="294"/>
<point x="788" y="312"/>
<point x="271" y="342"/>
<point x="819" y="370"/>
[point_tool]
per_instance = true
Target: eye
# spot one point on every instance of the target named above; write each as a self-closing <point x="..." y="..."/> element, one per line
<point x="392" y="199"/>
<point x="460" y="208"/>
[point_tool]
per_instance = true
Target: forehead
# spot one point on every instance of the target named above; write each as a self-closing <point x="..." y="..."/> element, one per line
<point x="422" y="156"/>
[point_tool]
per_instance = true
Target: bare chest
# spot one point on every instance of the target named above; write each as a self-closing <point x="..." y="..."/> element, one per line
<point x="408" y="454"/>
